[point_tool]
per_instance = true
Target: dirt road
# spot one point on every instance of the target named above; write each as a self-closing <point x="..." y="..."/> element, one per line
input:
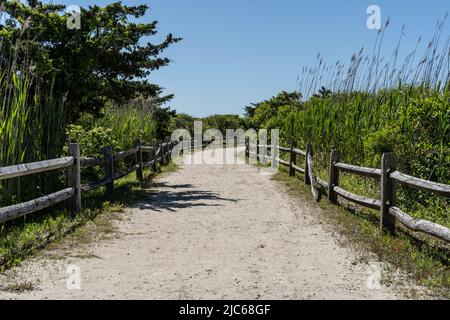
<point x="210" y="232"/>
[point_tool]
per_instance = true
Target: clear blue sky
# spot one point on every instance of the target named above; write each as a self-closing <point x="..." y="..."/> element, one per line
<point x="236" y="52"/>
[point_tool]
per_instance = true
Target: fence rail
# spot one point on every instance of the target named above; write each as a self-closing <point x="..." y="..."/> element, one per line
<point x="387" y="175"/>
<point x="298" y="151"/>
<point x="91" y="162"/>
<point x="95" y="185"/>
<point x="19" y="210"/>
<point x="422" y="185"/>
<point x="159" y="154"/>
<point x="35" y="167"/>
<point x="126" y="153"/>
<point x="362" y="171"/>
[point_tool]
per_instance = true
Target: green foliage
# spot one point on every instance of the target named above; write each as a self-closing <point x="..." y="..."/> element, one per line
<point x="162" y="117"/>
<point x="109" y="58"/>
<point x="119" y="128"/>
<point x="271" y="113"/>
<point x="372" y="108"/>
<point x="92" y="141"/>
<point x="51" y="76"/>
<point x="223" y="122"/>
<point x="378" y="142"/>
<point x="182" y="121"/>
<point x="127" y="124"/>
<point x="32" y="123"/>
<point x="411" y="121"/>
<point x="426" y="261"/>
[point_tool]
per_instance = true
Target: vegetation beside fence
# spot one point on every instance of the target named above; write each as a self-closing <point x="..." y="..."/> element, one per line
<point x="158" y="153"/>
<point x="23" y="236"/>
<point x="388" y="176"/>
<point x="49" y="95"/>
<point x="369" y="104"/>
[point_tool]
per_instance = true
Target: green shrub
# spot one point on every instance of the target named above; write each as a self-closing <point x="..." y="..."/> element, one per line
<point x="413" y="122"/>
<point x="92" y="141"/>
<point x="378" y="142"/>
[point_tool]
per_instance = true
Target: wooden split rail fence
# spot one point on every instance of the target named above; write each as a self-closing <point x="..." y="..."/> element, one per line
<point x="387" y="175"/>
<point x="159" y="154"/>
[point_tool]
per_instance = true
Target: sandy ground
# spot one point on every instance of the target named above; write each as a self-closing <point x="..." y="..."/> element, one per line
<point x="211" y="232"/>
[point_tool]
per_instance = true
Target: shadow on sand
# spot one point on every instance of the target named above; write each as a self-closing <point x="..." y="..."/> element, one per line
<point x="180" y="196"/>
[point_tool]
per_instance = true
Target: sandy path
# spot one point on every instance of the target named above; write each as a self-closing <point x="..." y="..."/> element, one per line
<point x="211" y="232"/>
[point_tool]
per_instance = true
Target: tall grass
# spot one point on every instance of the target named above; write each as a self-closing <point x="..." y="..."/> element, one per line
<point x="130" y="121"/>
<point x="375" y="105"/>
<point x="32" y="122"/>
<point x="370" y="72"/>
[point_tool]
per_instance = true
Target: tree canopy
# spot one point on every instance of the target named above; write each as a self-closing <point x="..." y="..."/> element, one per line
<point x="108" y="58"/>
<point x="223" y="122"/>
<point x="271" y="113"/>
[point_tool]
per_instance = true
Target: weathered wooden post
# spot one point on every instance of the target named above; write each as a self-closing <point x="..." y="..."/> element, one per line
<point x="334" y="176"/>
<point x="168" y="150"/>
<point x="109" y="168"/>
<point x="75" y="177"/>
<point x="247" y="148"/>
<point x="388" y="165"/>
<point x="158" y="147"/>
<point x="308" y="151"/>
<point x="155" y="157"/>
<point x="310" y="173"/>
<point x="257" y="150"/>
<point x="140" y="161"/>
<point x="147" y="155"/>
<point x="292" y="158"/>
<point x="162" y="151"/>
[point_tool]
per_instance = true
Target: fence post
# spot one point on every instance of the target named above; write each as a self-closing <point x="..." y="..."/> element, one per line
<point x="292" y="158"/>
<point x="388" y="165"/>
<point x="155" y="157"/>
<point x="334" y="176"/>
<point x="168" y="149"/>
<point x="247" y="148"/>
<point x="161" y="143"/>
<point x="109" y="168"/>
<point x="75" y="177"/>
<point x="257" y="150"/>
<point x="140" y="161"/>
<point x="308" y="151"/>
<point x="165" y="151"/>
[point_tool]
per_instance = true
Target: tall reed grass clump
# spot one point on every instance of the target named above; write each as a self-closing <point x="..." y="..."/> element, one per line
<point x="135" y="119"/>
<point x="119" y="126"/>
<point x="374" y="105"/>
<point x="32" y="122"/>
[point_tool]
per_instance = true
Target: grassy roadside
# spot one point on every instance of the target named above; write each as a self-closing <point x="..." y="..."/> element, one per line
<point x="24" y="237"/>
<point x="426" y="260"/>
